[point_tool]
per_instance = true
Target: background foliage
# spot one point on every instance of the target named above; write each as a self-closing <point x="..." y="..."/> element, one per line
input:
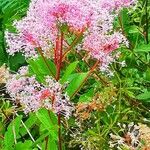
<point x="125" y="97"/>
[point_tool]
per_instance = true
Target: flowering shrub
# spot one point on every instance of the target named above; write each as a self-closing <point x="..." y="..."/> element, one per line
<point x="77" y="84"/>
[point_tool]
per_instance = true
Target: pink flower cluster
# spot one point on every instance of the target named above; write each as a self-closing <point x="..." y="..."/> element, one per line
<point x="101" y="48"/>
<point x="93" y="18"/>
<point x="40" y="27"/>
<point x="117" y="4"/>
<point x="32" y="95"/>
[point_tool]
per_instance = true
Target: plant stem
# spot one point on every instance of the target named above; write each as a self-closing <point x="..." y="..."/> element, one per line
<point x="104" y="82"/>
<point x="140" y="23"/>
<point x="46" y="145"/>
<point x="72" y="45"/>
<point x="59" y="55"/>
<point x="56" y="51"/>
<point x="89" y="73"/>
<point x="30" y="135"/>
<point x="58" y="61"/>
<point x="1" y="137"/>
<point x="57" y="78"/>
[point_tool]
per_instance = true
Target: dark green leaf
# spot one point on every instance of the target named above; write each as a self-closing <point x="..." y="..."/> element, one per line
<point x="86" y="97"/>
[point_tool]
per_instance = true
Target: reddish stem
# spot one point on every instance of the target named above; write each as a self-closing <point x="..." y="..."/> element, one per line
<point x="72" y="45"/>
<point x="56" y="51"/>
<point x="89" y="73"/>
<point x="1" y="137"/>
<point x="59" y="57"/>
<point x="58" y="62"/>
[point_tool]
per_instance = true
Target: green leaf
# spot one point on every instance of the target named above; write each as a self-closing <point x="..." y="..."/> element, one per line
<point x="3" y="56"/>
<point x="143" y="48"/>
<point x="12" y="133"/>
<point x="147" y="74"/>
<point x="86" y="97"/>
<point x="133" y="29"/>
<point x="40" y="69"/>
<point x="48" y="122"/>
<point x="53" y="117"/>
<point x="43" y="68"/>
<point x="52" y="144"/>
<point x="125" y="17"/>
<point x="34" y="70"/>
<point x="68" y="71"/>
<point x="16" y="61"/>
<point x="28" y="123"/>
<point x="49" y="144"/>
<point x="24" y="146"/>
<point x="76" y="84"/>
<point x="144" y="96"/>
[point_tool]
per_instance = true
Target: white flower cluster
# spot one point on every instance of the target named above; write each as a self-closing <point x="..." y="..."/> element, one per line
<point x="130" y="138"/>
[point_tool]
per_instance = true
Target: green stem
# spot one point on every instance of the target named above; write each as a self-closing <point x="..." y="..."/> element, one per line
<point x="120" y="88"/>
<point x="59" y="132"/>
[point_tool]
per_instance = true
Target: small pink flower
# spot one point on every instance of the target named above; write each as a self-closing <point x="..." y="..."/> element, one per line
<point x="59" y="11"/>
<point x="111" y="46"/>
<point x="29" y="38"/>
<point x="45" y="94"/>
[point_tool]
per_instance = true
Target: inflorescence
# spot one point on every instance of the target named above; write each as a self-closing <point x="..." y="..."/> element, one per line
<point x="92" y="18"/>
<point x="32" y="95"/>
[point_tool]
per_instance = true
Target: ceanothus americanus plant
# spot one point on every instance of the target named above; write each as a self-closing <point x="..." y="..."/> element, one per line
<point x="41" y="32"/>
